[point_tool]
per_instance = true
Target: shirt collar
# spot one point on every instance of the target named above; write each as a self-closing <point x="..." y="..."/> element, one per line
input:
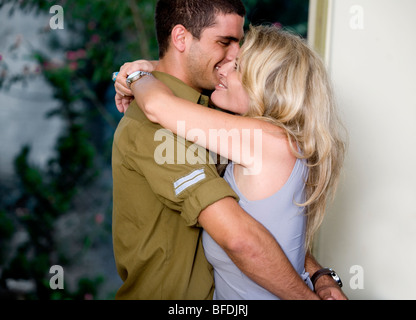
<point x="181" y="89"/>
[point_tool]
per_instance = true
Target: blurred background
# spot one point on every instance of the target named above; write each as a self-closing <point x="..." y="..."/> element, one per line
<point x="57" y="119"/>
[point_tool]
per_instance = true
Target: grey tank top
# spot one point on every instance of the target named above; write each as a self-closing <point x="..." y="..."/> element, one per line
<point x="286" y="222"/>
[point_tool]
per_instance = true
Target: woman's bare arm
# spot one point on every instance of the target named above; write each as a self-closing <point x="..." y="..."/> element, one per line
<point x="235" y="137"/>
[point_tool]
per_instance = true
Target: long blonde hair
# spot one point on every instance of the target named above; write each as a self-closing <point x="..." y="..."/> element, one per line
<point x="288" y="85"/>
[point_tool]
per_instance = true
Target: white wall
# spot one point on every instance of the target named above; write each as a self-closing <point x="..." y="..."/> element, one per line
<point x="371" y="55"/>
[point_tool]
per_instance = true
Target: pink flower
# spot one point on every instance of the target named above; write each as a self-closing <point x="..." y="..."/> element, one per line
<point x="48" y="65"/>
<point x="52" y="64"/>
<point x="99" y="218"/>
<point x="71" y="55"/>
<point x="277" y="25"/>
<point x="73" y="65"/>
<point x="76" y="55"/>
<point x="95" y="38"/>
<point x="88" y="296"/>
<point x="81" y="53"/>
<point x="92" y="25"/>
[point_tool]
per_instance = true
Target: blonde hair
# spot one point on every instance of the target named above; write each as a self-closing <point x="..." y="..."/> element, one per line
<point x="288" y="85"/>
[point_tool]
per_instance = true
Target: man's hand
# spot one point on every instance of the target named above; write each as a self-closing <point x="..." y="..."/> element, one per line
<point x="325" y="287"/>
<point x="124" y="96"/>
<point x="329" y="290"/>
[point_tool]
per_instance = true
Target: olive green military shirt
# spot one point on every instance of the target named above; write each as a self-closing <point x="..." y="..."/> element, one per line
<point x="160" y="185"/>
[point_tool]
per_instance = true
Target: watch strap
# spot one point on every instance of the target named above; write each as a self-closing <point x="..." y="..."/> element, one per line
<point x="324" y="272"/>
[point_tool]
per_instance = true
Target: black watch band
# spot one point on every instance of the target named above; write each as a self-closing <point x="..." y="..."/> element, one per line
<point x="324" y="272"/>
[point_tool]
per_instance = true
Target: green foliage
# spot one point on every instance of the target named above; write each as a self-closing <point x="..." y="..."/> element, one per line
<point x="291" y="14"/>
<point x="98" y="37"/>
<point x="7" y="229"/>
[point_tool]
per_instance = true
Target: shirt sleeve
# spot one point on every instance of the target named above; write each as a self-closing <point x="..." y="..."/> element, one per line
<point x="181" y="174"/>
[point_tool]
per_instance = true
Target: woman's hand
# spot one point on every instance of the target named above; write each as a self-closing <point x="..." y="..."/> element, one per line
<point x="124" y="96"/>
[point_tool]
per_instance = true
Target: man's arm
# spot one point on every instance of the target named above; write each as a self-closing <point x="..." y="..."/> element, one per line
<point x="253" y="249"/>
<point x="325" y="287"/>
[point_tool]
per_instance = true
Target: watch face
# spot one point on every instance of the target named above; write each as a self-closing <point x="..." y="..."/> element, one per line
<point x="336" y="278"/>
<point x="133" y="75"/>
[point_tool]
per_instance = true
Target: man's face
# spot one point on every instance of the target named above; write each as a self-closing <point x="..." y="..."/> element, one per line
<point x="218" y="45"/>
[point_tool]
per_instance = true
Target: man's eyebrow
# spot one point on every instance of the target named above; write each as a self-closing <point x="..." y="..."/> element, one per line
<point x="230" y="38"/>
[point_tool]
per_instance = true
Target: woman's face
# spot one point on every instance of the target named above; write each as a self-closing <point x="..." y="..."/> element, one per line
<point x="229" y="94"/>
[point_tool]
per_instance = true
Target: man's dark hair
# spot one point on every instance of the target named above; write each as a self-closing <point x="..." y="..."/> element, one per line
<point x="194" y="15"/>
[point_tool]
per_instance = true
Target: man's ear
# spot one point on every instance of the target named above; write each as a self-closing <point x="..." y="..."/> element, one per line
<point x="179" y="36"/>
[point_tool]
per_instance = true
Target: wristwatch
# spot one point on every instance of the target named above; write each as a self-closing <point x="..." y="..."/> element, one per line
<point x="136" y="76"/>
<point x="326" y="271"/>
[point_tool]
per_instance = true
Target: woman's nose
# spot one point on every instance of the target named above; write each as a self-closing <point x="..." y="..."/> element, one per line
<point x="225" y="68"/>
<point x="222" y="72"/>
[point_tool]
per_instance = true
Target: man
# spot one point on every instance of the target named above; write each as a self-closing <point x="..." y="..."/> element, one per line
<point x="158" y="208"/>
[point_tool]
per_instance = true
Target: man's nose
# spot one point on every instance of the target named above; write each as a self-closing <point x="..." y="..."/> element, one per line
<point x="232" y="51"/>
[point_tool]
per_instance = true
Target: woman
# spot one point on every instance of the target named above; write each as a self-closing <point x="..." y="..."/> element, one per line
<point x="278" y="87"/>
